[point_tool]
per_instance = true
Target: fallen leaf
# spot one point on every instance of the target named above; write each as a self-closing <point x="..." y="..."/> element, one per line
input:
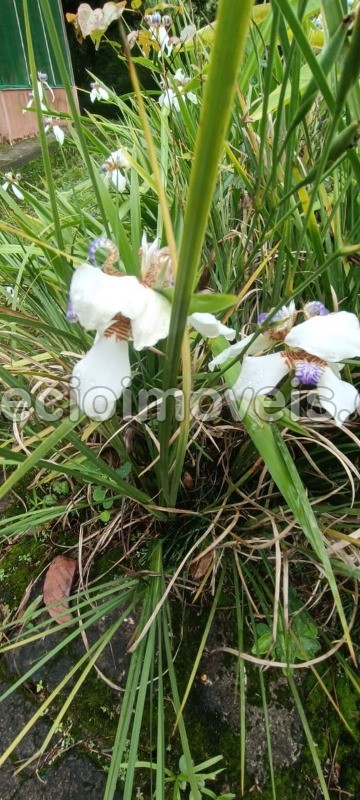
<point x="57" y="587"/>
<point x="200" y="566"/>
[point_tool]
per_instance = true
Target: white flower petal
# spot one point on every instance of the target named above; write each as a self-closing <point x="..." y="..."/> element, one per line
<point x="94" y="95"/>
<point x="259" y="345"/>
<point x="50" y="90"/>
<point x="169" y="100"/>
<point x="118" y="179"/>
<point x="179" y="76"/>
<point x="120" y="159"/>
<point x="28" y="105"/>
<point x="259" y="375"/>
<point x="332" y="337"/>
<point x="59" y="134"/>
<point x="17" y="192"/>
<point x="209" y="326"/>
<point x="337" y="397"/>
<point x="5" y="186"/>
<point x="162" y="37"/>
<point x="153" y="324"/>
<point x="103" y="94"/>
<point x="100" y="378"/>
<point x="97" y="297"/>
<point x="41" y="90"/>
<point x="192" y="97"/>
<point x="148" y="250"/>
<point x="336" y="368"/>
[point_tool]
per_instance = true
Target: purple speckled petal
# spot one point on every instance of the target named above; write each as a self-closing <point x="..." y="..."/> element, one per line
<point x="281" y="314"/>
<point x="308" y="372"/>
<point x="284" y="313"/>
<point x="95" y="245"/>
<point x="70" y="313"/>
<point x="315" y="309"/>
<point x="153" y="19"/>
<point x="102" y="243"/>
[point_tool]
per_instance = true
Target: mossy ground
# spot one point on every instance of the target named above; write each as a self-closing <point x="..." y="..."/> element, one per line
<point x="93" y="716"/>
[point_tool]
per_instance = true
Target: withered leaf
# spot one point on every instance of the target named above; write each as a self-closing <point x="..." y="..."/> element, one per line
<point x="200" y="567"/>
<point x="57" y="587"/>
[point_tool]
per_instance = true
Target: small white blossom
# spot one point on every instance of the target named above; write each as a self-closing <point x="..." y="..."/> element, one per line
<point x="98" y="92"/>
<point x="159" y="29"/>
<point x="41" y="83"/>
<point x="170" y="97"/>
<point x="112" y="169"/>
<point x="30" y="102"/>
<point x="12" y="182"/>
<point x="52" y="124"/>
<point x="313" y="353"/>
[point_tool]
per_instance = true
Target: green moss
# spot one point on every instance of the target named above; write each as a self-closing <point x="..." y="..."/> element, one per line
<point x="94" y="712"/>
<point x="331" y="737"/>
<point x="66" y="163"/>
<point x="19" y="565"/>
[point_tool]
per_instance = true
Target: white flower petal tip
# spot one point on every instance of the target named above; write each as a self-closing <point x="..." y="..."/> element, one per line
<point x="339" y="398"/>
<point x="147" y="252"/>
<point x="259" y="376"/>
<point x="154" y="322"/>
<point x="99" y="379"/>
<point x="207" y="325"/>
<point x="59" y="134"/>
<point x="253" y="345"/>
<point x="97" y="298"/>
<point x="332" y="337"/>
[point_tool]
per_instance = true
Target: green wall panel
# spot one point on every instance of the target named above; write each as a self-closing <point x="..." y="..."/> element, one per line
<point x="14" y="68"/>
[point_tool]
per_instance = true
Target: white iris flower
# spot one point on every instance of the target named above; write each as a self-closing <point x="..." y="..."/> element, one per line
<point x="170" y="98"/>
<point x="12" y="181"/>
<point x="98" y="92"/>
<point x="313" y="354"/>
<point x="120" y="307"/>
<point x="159" y="26"/>
<point x="113" y="168"/>
<point x="52" y="124"/>
<point x="42" y="82"/>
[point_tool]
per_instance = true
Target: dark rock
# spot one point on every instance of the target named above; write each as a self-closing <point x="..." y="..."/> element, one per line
<point x="70" y="777"/>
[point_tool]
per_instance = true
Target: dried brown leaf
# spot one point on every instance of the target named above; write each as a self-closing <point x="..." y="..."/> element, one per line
<point x="200" y="566"/>
<point x="57" y="587"/>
